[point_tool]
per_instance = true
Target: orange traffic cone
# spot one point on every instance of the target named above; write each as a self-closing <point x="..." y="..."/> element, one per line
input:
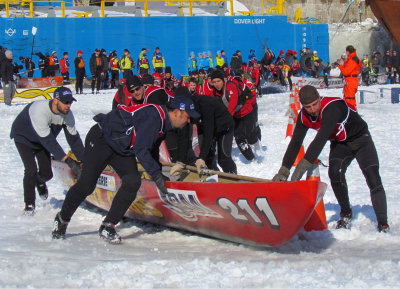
<point x="290" y="127"/>
<point x="299" y="156"/>
<point x="317" y="221"/>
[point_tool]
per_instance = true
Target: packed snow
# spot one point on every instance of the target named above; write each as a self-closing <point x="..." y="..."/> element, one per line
<point x="157" y="257"/>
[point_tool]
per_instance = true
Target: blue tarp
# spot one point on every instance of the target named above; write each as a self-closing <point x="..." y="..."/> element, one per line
<point x="176" y="36"/>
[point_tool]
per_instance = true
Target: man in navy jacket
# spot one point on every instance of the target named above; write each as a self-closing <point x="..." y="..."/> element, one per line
<point x="121" y="136"/>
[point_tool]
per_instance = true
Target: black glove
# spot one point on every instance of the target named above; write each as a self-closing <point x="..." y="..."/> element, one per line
<point x="75" y="167"/>
<point x="282" y="175"/>
<point x="301" y="168"/>
<point x="160" y="179"/>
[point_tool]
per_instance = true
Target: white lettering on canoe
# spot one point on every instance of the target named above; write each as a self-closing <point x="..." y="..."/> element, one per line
<point x="106" y="182"/>
<point x="242" y="209"/>
<point x="187" y="205"/>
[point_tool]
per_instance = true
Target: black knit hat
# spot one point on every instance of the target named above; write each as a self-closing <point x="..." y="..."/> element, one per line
<point x="217" y="74"/>
<point x="133" y="82"/>
<point x="168" y="69"/>
<point x="308" y="94"/>
<point x="147" y="79"/>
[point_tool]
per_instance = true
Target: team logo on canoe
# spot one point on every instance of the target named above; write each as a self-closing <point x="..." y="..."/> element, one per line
<point x="187" y="205"/>
<point x="106" y="182"/>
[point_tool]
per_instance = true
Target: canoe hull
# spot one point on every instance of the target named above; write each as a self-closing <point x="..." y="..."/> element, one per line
<point x="262" y="214"/>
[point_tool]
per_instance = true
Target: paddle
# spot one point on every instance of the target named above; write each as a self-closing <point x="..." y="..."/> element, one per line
<point x="222" y="174"/>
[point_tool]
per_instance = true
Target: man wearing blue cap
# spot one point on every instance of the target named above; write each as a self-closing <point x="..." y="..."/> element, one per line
<point x="35" y="131"/>
<point x="121" y="136"/>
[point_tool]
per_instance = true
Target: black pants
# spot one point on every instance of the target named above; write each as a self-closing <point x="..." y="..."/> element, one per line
<point x="79" y="83"/>
<point x="143" y="70"/>
<point x="32" y="177"/>
<point x="246" y="128"/>
<point x="65" y="76"/>
<point x="363" y="150"/>
<point x="126" y="73"/>
<point x="97" y="79"/>
<point x="223" y="142"/>
<point x="114" y="78"/>
<point x="97" y="155"/>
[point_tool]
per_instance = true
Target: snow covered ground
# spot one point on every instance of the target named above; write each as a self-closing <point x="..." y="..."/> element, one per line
<point x="157" y="257"/>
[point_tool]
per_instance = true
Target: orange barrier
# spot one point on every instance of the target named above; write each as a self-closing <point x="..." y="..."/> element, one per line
<point x="317" y="221"/>
<point x="294" y="109"/>
<point x="300" y="155"/>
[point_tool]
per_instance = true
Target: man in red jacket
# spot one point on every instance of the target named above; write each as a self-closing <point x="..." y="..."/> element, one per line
<point x="239" y="100"/>
<point x="64" y="63"/>
<point x="350" y="70"/>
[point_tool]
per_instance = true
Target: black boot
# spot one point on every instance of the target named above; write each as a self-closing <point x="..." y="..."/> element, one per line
<point x="384" y="228"/>
<point x="107" y="232"/>
<point x="29" y="210"/>
<point x="59" y="227"/>
<point x="246" y="150"/>
<point x="42" y="191"/>
<point x="345" y="220"/>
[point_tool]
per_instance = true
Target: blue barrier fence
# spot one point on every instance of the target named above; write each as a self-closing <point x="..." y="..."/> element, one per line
<point x="176" y="36"/>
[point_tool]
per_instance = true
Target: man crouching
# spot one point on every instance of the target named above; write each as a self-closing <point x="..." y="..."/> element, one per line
<point x="121" y="136"/>
<point x="338" y="121"/>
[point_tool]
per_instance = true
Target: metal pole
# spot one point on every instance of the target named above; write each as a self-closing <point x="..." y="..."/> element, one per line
<point x="146" y="7"/>
<point x="262" y="7"/>
<point x="102" y="8"/>
<point x="31" y="9"/>
<point x="232" y="12"/>
<point x="7" y="9"/>
<point x="63" y="9"/>
<point x="190" y="8"/>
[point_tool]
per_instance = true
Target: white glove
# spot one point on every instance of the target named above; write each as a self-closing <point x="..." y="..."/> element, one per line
<point x="177" y="169"/>
<point x="200" y="165"/>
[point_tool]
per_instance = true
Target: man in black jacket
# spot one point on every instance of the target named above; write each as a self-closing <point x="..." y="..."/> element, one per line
<point x="235" y="63"/>
<point x="34" y="132"/>
<point x="120" y="137"/>
<point x="7" y="73"/>
<point x="215" y="128"/>
<point x="396" y="67"/>
<point x="97" y="70"/>
<point x="80" y="72"/>
<point x="318" y="67"/>
<point x="105" y="63"/>
<point x="338" y="121"/>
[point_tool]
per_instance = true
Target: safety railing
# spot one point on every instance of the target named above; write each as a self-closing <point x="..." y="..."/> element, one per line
<point x="25" y="3"/>
<point x="278" y="6"/>
<point x="179" y="3"/>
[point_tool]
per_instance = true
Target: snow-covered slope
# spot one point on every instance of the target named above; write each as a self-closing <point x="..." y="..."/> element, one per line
<point x="157" y="257"/>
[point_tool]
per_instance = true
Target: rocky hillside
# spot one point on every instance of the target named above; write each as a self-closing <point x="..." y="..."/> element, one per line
<point x="328" y="11"/>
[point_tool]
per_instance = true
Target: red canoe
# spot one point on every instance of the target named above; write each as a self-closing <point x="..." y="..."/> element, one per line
<point x="52" y="81"/>
<point x="263" y="214"/>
